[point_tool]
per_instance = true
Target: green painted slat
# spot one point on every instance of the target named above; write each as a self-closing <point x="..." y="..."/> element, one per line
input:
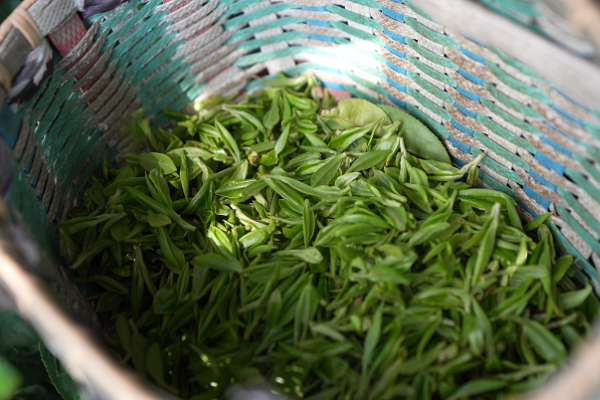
<point x="225" y="3"/>
<point x="580" y="210"/>
<point x="588" y="167"/>
<point x="501" y="151"/>
<point x="367" y="3"/>
<point x="149" y="51"/>
<point x="120" y="16"/>
<point x="256" y="58"/>
<point x="237" y="6"/>
<point x="432" y="35"/>
<point x="66" y="132"/>
<point x="510" y="102"/>
<point x="593" y="129"/>
<point x="282" y="37"/>
<point x="528" y="9"/>
<point x="425" y="102"/>
<point x="195" y="91"/>
<point x="487" y="179"/>
<point x="252" y="30"/>
<point x="570" y="249"/>
<point x="136" y="18"/>
<point x="506" y="134"/>
<point x="434" y="90"/>
<point x="498" y="168"/>
<point x="350" y="30"/>
<point x="366" y="83"/>
<point x="580" y="230"/>
<point x="46" y="98"/>
<point x="154" y="64"/>
<point x="417" y="9"/>
<point x="435" y="74"/>
<point x="57" y="129"/>
<point x="349" y="15"/>
<point x="254" y="84"/>
<point x="81" y="152"/>
<point x="153" y="83"/>
<point x="171" y="95"/>
<point x="361" y="95"/>
<point x="593" y="151"/>
<point x="509" y="117"/>
<point x="77" y="137"/>
<point x="148" y="29"/>
<point x="156" y="87"/>
<point x="433" y="125"/>
<point x="583" y="183"/>
<point x="430" y="55"/>
<point x="516" y="64"/>
<point x="297" y="70"/>
<point x="261" y="12"/>
<point x="58" y="101"/>
<point x="516" y="84"/>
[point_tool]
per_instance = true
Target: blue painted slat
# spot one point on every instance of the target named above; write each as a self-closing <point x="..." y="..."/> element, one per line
<point x="395" y="36"/>
<point x="459" y="145"/>
<point x="468" y="94"/>
<point x="318" y="22"/>
<point x="398" y="102"/>
<point x="396" y="68"/>
<point x="542" y="180"/>
<point x="393" y="14"/>
<point x="473" y="78"/>
<point x="465" y="110"/>
<point x="473" y="56"/>
<point x="541" y="200"/>
<point x="549" y="163"/>
<point x="462" y="128"/>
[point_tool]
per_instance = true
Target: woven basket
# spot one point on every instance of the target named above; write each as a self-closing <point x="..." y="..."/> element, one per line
<point x="543" y="148"/>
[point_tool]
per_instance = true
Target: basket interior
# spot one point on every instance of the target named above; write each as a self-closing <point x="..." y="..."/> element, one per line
<point x="542" y="147"/>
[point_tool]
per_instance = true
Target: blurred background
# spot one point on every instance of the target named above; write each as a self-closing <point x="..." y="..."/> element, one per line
<point x="6" y="6"/>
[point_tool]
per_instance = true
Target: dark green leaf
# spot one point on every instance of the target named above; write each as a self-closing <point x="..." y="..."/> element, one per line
<point x="354" y="112"/>
<point x="477" y="386"/>
<point x="327" y="171"/>
<point x="418" y="139"/>
<point x="150" y="161"/>
<point x="218" y="262"/>
<point x="368" y="160"/>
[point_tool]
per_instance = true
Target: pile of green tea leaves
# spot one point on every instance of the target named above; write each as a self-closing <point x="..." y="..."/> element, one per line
<point x="333" y="251"/>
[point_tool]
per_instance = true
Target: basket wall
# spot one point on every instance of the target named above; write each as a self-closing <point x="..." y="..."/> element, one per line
<point x="542" y="148"/>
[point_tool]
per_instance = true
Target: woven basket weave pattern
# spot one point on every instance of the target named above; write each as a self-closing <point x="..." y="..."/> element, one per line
<point x="542" y="148"/>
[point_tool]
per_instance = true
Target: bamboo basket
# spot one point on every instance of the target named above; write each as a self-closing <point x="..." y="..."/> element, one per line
<point x="536" y="119"/>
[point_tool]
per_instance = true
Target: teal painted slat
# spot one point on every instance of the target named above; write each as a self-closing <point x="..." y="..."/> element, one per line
<point x="580" y="210"/>
<point x="430" y="34"/>
<point x="498" y="168"/>
<point x="357" y="33"/>
<point x="254" y="44"/>
<point x="350" y="16"/>
<point x="254" y="15"/>
<point x="579" y="260"/>
<point x="435" y="127"/>
<point x="253" y="30"/>
<point x="578" y="228"/>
